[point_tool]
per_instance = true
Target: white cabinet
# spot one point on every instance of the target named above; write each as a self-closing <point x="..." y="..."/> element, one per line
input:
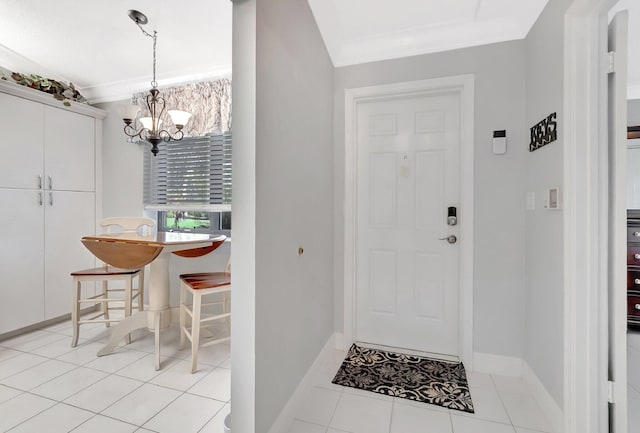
<point x="21" y="259"/>
<point x="69" y="215"/>
<point x="48" y="201"/>
<point x="22" y="126"/>
<point x="69" y="162"/>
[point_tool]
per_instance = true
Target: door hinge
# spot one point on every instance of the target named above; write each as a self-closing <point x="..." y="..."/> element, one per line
<point x="612" y="62"/>
<point x="611" y="391"/>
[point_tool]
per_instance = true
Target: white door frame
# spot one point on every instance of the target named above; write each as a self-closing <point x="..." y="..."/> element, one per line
<point x="464" y="86"/>
<point x="585" y="218"/>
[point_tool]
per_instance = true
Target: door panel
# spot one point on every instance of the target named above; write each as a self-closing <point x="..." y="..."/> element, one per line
<point x="407" y="292"/>
<point x="22" y="125"/>
<point x="69" y="150"/>
<point x="68" y="216"/>
<point x="21" y="259"/>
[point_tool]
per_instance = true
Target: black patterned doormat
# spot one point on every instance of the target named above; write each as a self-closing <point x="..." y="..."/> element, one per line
<point x="427" y="380"/>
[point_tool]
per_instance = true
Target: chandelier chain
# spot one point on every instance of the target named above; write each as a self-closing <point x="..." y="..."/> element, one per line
<point x="151" y="130"/>
<point x="153" y="36"/>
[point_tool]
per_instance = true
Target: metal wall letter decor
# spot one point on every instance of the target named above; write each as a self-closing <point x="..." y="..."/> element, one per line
<point x="544" y="132"/>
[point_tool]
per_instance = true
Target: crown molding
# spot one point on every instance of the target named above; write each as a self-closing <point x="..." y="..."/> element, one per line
<point x="426" y="40"/>
<point x="122" y="90"/>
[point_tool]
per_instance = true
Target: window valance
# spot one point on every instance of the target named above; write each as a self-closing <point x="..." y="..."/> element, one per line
<point x="209" y="103"/>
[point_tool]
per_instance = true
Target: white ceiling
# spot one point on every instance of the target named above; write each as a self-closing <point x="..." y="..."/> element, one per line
<point x="95" y="45"/>
<point x="357" y="31"/>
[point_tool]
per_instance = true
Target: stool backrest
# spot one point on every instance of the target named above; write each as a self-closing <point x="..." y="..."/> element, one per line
<point x="128" y="224"/>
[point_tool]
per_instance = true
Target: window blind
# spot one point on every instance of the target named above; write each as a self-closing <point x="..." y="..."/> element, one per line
<point x="193" y="173"/>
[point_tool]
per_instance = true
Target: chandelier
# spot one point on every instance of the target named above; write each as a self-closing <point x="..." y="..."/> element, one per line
<point x="151" y="129"/>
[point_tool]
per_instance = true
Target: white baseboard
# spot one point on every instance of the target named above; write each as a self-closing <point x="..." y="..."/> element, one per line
<point x="547" y="403"/>
<point x="497" y="364"/>
<point x="285" y="419"/>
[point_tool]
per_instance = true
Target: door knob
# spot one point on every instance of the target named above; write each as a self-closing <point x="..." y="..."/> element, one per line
<point x="451" y="239"/>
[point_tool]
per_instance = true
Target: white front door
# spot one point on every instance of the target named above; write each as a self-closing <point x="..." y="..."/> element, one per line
<point x="407" y="288"/>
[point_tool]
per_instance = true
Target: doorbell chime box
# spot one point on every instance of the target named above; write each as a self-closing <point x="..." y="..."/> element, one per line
<point x="499" y="142"/>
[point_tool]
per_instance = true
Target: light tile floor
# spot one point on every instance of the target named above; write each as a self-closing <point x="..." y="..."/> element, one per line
<point x="502" y="405"/>
<point x="48" y="386"/>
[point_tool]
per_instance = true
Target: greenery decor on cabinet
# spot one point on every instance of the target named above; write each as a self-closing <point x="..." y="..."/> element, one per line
<point x="61" y="91"/>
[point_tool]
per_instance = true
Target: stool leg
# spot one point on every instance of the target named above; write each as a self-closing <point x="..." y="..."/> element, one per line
<point x="127" y="302"/>
<point x="75" y="311"/>
<point x="141" y="290"/>
<point x="226" y="308"/>
<point x="183" y="306"/>
<point x="105" y="305"/>
<point x="195" y="330"/>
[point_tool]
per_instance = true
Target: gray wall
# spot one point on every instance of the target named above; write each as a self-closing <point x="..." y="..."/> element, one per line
<point x="633" y="112"/>
<point x="544" y="228"/>
<point x="499" y="185"/>
<point x="294" y="201"/>
<point x="122" y="173"/>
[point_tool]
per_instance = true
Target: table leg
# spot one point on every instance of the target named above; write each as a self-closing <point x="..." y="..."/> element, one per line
<point x="124" y="327"/>
<point x="159" y="284"/>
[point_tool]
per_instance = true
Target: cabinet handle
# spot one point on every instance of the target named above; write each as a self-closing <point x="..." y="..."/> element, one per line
<point x="40" y="198"/>
<point x="50" y="183"/>
<point x="39" y="181"/>
<point x="637" y="306"/>
<point x="636" y="234"/>
<point x="50" y="199"/>
<point x="637" y="256"/>
<point x="637" y="281"/>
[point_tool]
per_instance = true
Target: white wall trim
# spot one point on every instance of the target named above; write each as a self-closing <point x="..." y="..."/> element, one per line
<point x="548" y="405"/>
<point x="123" y="90"/>
<point x="288" y="413"/>
<point x="585" y="341"/>
<point x="489" y="363"/>
<point x="464" y="84"/>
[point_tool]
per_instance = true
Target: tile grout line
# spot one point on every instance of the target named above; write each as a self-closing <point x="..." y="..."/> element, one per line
<point x="333" y="413"/>
<point x="502" y="402"/>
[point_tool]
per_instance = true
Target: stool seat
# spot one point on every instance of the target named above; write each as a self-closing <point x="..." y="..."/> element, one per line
<point x="104" y="270"/>
<point x="206" y="280"/>
<point x="199" y="285"/>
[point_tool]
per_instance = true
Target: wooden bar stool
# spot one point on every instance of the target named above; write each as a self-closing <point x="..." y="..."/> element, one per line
<point x="104" y="298"/>
<point x="199" y="285"/>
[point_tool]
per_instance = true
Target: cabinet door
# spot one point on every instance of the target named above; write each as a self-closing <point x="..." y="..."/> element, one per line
<point x="68" y="216"/>
<point x="69" y="149"/>
<point x="22" y="126"/>
<point x="21" y="259"/>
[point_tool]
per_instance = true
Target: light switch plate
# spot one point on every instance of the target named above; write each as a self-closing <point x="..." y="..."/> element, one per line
<point x="552" y="201"/>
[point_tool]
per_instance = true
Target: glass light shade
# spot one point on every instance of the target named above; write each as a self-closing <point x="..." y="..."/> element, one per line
<point x="128" y="111"/>
<point x="147" y="123"/>
<point x="179" y="117"/>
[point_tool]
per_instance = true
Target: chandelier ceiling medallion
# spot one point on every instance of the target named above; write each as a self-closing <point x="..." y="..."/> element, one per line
<point x="151" y="129"/>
